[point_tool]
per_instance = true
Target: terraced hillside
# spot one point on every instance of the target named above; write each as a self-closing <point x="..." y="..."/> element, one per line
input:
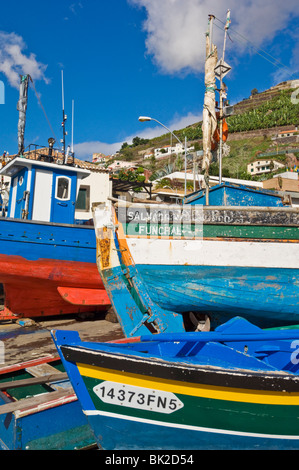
<point x="253" y="130"/>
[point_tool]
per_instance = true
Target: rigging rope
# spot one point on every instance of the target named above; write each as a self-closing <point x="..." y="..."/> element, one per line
<point x="277" y="63"/>
<point x="38" y="98"/>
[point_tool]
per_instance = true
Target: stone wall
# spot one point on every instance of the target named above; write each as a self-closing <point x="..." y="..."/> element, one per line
<point x="273" y="131"/>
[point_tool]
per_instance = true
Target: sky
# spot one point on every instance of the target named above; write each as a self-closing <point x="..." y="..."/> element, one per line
<point x="125" y="58"/>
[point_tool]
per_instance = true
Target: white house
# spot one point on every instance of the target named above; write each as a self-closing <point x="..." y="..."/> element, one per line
<point x="169" y="150"/>
<point x="263" y="166"/>
<point x="288" y="133"/>
<point x="118" y="165"/>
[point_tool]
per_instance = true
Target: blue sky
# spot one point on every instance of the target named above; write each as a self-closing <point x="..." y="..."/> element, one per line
<point x="126" y="58"/>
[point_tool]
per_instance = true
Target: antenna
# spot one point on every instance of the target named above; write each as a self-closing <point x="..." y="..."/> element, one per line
<point x="64" y="117"/>
<point x="72" y="148"/>
<point x="62" y="90"/>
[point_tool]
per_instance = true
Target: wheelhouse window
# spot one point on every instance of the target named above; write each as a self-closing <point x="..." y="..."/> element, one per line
<point x="83" y="200"/>
<point x="63" y="187"/>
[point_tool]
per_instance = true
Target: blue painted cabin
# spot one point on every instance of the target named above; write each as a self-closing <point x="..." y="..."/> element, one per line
<point x="229" y="194"/>
<point x="43" y="191"/>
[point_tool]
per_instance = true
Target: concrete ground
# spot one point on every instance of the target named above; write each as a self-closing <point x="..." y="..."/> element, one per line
<point x="31" y="339"/>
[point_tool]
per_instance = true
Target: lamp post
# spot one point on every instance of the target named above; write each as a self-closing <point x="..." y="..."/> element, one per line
<point x="147" y="118"/>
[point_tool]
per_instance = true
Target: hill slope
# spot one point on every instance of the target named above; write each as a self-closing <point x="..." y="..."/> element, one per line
<point x="252" y="130"/>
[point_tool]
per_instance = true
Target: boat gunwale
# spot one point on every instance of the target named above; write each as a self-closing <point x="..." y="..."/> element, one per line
<point x="40" y="222"/>
<point x="267" y="380"/>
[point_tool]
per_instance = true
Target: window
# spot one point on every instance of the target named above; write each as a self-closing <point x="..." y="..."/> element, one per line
<point x="63" y="185"/>
<point x="83" y="200"/>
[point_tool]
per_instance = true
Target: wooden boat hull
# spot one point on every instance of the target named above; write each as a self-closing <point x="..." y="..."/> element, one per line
<point x="225" y="292"/>
<point x="49" y="269"/>
<point x="228" y="261"/>
<point x="145" y="400"/>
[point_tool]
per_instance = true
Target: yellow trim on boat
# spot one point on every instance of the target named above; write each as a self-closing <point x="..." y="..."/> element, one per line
<point x="204" y="391"/>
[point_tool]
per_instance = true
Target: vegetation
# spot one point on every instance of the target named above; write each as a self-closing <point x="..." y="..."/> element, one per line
<point x="135" y="142"/>
<point x="132" y="175"/>
<point x="262" y="111"/>
<point x="279" y="111"/>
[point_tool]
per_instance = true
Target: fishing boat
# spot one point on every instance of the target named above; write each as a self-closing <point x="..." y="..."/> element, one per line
<point x="228" y="250"/>
<point x="233" y="388"/>
<point x="47" y="260"/>
<point x="39" y="409"/>
<point x="161" y="267"/>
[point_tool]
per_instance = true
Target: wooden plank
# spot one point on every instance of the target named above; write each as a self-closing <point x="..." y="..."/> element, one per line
<point x="33" y="381"/>
<point x="40" y="370"/>
<point x="30" y="363"/>
<point x="35" y="401"/>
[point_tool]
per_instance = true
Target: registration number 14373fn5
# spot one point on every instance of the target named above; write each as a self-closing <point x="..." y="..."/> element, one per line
<point x="137" y="397"/>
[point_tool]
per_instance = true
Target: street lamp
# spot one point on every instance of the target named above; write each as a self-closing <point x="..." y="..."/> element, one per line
<point x="147" y="118"/>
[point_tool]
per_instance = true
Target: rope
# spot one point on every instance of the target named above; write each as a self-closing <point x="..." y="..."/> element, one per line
<point x="211" y="88"/>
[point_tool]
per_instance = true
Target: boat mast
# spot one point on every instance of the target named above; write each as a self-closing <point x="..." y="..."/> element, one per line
<point x="22" y="108"/>
<point x="209" y="121"/>
<point x="223" y="70"/>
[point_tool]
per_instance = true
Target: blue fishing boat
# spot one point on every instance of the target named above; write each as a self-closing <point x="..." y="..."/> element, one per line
<point x="234" y="388"/>
<point x="227" y="250"/>
<point x="39" y="409"/>
<point x="170" y="268"/>
<point x="47" y="260"/>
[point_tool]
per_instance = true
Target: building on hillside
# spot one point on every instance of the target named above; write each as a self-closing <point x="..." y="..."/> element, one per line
<point x="169" y="150"/>
<point x="287" y="133"/>
<point x="99" y="158"/>
<point x="118" y="165"/>
<point x="287" y="183"/>
<point x="147" y="153"/>
<point x="259" y="167"/>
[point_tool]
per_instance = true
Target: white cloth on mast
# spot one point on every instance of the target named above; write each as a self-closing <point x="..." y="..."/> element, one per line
<point x="209" y="122"/>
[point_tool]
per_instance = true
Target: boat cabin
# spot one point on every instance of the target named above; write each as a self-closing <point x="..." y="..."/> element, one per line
<point x="42" y="190"/>
<point x="229" y="194"/>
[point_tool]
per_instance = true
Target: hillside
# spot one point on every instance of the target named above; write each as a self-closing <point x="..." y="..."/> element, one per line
<point x="253" y="130"/>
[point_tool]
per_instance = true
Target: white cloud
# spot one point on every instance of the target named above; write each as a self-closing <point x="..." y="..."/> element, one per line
<point x="14" y="62"/>
<point x="84" y="150"/>
<point x="75" y="6"/>
<point x="176" y="30"/>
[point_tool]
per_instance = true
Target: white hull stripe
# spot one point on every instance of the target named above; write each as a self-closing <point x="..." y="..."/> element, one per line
<point x="187" y="427"/>
<point x="214" y="253"/>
